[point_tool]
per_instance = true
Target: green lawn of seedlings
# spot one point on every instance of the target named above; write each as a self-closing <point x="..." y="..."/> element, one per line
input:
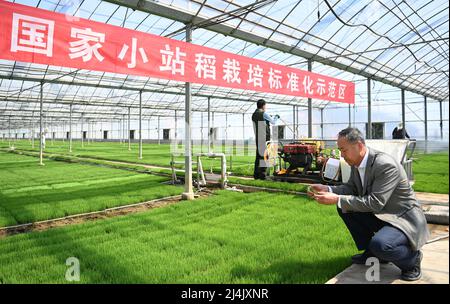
<point x="431" y="172"/>
<point x="229" y="237"/>
<point x="153" y="154"/>
<point x="29" y="192"/>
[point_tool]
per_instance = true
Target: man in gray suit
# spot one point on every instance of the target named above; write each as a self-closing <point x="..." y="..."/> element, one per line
<point x="378" y="206"/>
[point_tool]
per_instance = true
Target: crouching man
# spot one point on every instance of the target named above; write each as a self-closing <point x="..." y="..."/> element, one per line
<point x="378" y="206"/>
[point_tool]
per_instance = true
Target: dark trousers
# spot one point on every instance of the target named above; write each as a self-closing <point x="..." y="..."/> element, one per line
<point x="382" y="239"/>
<point x="260" y="169"/>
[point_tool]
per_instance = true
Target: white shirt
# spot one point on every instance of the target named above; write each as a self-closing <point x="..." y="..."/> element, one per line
<point x="269" y="118"/>
<point x="361" y="170"/>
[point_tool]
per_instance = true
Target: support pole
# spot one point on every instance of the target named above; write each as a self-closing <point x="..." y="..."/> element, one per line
<point x="188" y="192"/>
<point x="201" y="132"/>
<point x="294" y="136"/>
<point x="310" y="130"/>
<point x="87" y="131"/>
<point x="403" y="111"/>
<point x="369" y="109"/>
<point x="226" y="128"/>
<point x="41" y="143"/>
<point x="214" y="130"/>
<point x="129" y="128"/>
<point x="140" y="124"/>
<point x="70" y="129"/>
<point x="321" y="123"/>
<point x="440" y="120"/>
<point x="349" y="115"/>
<point x="9" y="132"/>
<point x="32" y="131"/>
<point x="425" y="110"/>
<point x="243" y="128"/>
<point x="209" y="124"/>
<point x="176" y="127"/>
<point x="82" y="131"/>
<point x="148" y="127"/>
<point x="159" y="136"/>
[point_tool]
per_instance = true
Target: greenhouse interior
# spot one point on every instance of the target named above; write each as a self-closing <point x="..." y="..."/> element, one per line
<point x="129" y="129"/>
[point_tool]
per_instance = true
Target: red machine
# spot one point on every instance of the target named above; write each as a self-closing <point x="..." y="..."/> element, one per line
<point x="301" y="159"/>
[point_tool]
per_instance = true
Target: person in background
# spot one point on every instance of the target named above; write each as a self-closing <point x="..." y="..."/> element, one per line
<point x="399" y="132"/>
<point x="261" y="126"/>
<point x="378" y="206"/>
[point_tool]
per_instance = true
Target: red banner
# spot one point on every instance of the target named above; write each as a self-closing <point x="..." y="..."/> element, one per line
<point x="35" y="35"/>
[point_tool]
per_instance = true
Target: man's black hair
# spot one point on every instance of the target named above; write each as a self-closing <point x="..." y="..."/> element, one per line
<point x="260" y="103"/>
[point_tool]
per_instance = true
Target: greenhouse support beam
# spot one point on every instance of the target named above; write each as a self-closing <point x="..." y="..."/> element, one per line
<point x="159" y="136"/>
<point x="310" y="128"/>
<point x="188" y="193"/>
<point x="425" y="110"/>
<point x="349" y="115"/>
<point x="369" y="109"/>
<point x="209" y="124"/>
<point x="82" y="131"/>
<point x="243" y="128"/>
<point x="70" y="130"/>
<point x="440" y="120"/>
<point x="321" y="123"/>
<point x="294" y="136"/>
<point x="41" y="133"/>
<point x="140" y="124"/>
<point x="129" y="128"/>
<point x="403" y="110"/>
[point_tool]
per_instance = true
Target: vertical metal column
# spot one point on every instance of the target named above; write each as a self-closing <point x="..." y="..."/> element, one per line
<point x="41" y="143"/>
<point x="70" y="129"/>
<point x="209" y="124"/>
<point x="201" y="132"/>
<point x="119" y="131"/>
<point x="440" y="120"/>
<point x="403" y="111"/>
<point x="226" y="128"/>
<point x="294" y="136"/>
<point x="159" y="136"/>
<point x="425" y="122"/>
<point x="82" y="131"/>
<point x="369" y="109"/>
<point x="9" y="131"/>
<point x="310" y="129"/>
<point x="148" y="127"/>
<point x="140" y="124"/>
<point x="32" y="131"/>
<point x="129" y="127"/>
<point x="188" y="192"/>
<point x="51" y="130"/>
<point x="243" y="127"/>
<point x="321" y="123"/>
<point x="176" y="127"/>
<point x="349" y="115"/>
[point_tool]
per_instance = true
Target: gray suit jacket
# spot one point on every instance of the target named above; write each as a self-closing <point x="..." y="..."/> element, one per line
<point x="387" y="193"/>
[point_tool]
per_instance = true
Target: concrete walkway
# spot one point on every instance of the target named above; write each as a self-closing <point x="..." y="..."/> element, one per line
<point x="435" y="265"/>
<point x="432" y="198"/>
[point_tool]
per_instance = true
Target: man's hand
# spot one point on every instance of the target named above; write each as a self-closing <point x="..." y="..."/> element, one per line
<point x="317" y="188"/>
<point x="326" y="198"/>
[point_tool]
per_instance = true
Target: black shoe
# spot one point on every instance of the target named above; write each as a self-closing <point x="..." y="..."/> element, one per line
<point x="414" y="273"/>
<point x="361" y="258"/>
